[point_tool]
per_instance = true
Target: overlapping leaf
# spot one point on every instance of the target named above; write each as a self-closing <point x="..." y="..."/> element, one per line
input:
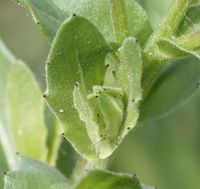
<point x="77" y="55"/>
<point x="66" y="156"/>
<point x="156" y="10"/>
<point x="129" y="77"/>
<point x="21" y="112"/>
<point x="25" y="112"/>
<point x="50" y="14"/>
<point x="33" y="174"/>
<point x="169" y="50"/>
<point x="99" y="179"/>
<point x="191" y="21"/>
<point x="6" y="60"/>
<point x="53" y="135"/>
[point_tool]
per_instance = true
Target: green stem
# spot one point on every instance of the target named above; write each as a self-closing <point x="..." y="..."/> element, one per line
<point x="84" y="166"/>
<point x="169" y="24"/>
<point x="120" y="19"/>
<point x="189" y="41"/>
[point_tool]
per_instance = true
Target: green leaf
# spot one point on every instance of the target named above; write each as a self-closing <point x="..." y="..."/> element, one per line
<point x="21" y="111"/>
<point x="168" y="49"/>
<point x="107" y="116"/>
<point x="47" y="14"/>
<point x="102" y="112"/>
<point x="51" y="14"/>
<point x="114" y="109"/>
<point x="77" y="55"/>
<point x="53" y="135"/>
<point x="33" y="174"/>
<point x="99" y="179"/>
<point x="191" y="21"/>
<point x="178" y="81"/>
<point x="129" y="76"/>
<point x="66" y="158"/>
<point x="85" y="113"/>
<point x="156" y="10"/>
<point x="129" y="72"/>
<point x="112" y="114"/>
<point x="6" y="61"/>
<point x="3" y="166"/>
<point x="25" y="112"/>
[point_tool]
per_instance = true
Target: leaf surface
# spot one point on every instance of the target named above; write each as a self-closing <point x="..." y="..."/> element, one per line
<point x="50" y="15"/>
<point x="66" y="156"/>
<point x="3" y="166"/>
<point x="25" y="112"/>
<point x="191" y="21"/>
<point x="77" y="55"/>
<point x="98" y="179"/>
<point x="54" y="137"/>
<point x="33" y="174"/>
<point x="169" y="49"/>
<point x="177" y="82"/>
<point x="129" y="77"/>
<point x="21" y="111"/>
<point x="155" y="10"/>
<point x="6" y="61"/>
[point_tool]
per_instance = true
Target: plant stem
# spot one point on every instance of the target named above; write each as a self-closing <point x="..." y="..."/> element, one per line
<point x="84" y="166"/>
<point x="166" y="29"/>
<point x="120" y="19"/>
<point x="170" y="22"/>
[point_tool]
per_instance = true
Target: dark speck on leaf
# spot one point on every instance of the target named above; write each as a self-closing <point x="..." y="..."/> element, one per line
<point x="74" y="14"/>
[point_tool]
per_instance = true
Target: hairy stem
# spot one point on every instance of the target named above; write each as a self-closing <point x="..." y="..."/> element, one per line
<point x="120" y="20"/>
<point x="169" y="24"/>
<point x="84" y="166"/>
<point x="166" y="29"/>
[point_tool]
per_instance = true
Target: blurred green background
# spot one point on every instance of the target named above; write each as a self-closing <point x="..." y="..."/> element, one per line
<point x="165" y="153"/>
